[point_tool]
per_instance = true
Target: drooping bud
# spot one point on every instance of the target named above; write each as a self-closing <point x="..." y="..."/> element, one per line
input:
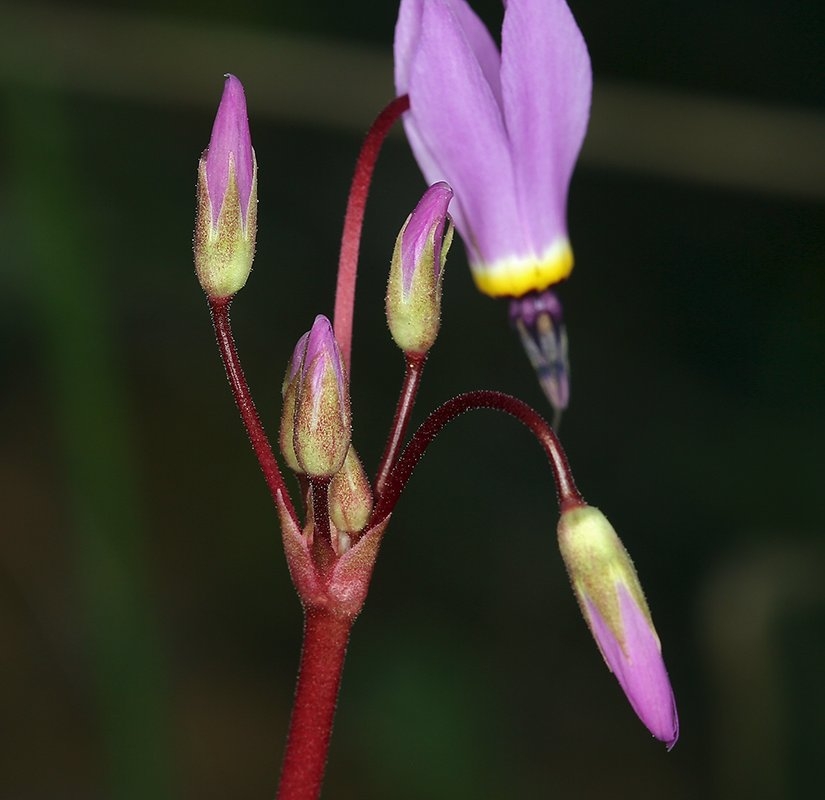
<point x="538" y="318"/>
<point x="350" y="495"/>
<point x="289" y="393"/>
<point x="321" y="434"/>
<point x="414" y="288"/>
<point x="226" y="221"/>
<point x="614" y="607"/>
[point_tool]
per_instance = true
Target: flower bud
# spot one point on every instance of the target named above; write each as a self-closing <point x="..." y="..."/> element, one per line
<point x="289" y="393"/>
<point x="321" y="434"/>
<point x="414" y="288"/>
<point x="226" y="220"/>
<point x="350" y="495"/>
<point x="615" y="609"/>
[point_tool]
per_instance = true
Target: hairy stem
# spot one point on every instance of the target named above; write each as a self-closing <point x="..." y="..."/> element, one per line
<point x="354" y="221"/>
<point x="243" y="399"/>
<point x="319" y="679"/>
<point x="320" y="505"/>
<point x="403" y="411"/>
<point x="567" y="493"/>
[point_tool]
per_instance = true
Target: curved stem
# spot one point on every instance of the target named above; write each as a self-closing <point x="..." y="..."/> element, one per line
<point x="567" y="493"/>
<point x="354" y="221"/>
<point x="316" y="694"/>
<point x="403" y="411"/>
<point x="219" y="308"/>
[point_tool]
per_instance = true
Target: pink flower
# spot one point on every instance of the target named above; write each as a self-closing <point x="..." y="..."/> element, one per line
<point x="503" y="129"/>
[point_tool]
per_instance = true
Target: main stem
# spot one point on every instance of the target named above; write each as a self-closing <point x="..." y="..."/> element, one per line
<point x="319" y="679"/>
<point x="354" y="221"/>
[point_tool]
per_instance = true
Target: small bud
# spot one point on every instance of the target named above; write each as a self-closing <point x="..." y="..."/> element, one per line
<point x="289" y="393"/>
<point x="414" y="288"/>
<point x="350" y="495"/>
<point x="615" y="609"/>
<point x="226" y="220"/>
<point x="321" y="433"/>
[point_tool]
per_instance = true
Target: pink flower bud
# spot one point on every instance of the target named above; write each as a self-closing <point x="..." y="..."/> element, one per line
<point x="321" y="435"/>
<point x="289" y="393"/>
<point x="230" y="154"/>
<point x="615" y="609"/>
<point x="414" y="288"/>
<point x="225" y="225"/>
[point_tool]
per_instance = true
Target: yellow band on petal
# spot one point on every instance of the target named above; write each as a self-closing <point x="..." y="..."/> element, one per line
<point x="513" y="277"/>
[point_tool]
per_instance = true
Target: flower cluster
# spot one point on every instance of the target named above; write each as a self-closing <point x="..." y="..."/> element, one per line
<point x="497" y="134"/>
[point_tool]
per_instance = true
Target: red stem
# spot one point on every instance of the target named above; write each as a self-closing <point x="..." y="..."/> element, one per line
<point x="219" y="308"/>
<point x="354" y="222"/>
<point x="323" y="552"/>
<point x="403" y="411"/>
<point x="320" y="506"/>
<point x="319" y="679"/>
<point x="567" y="493"/>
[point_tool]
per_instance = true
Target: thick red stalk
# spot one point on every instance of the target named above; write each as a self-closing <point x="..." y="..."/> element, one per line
<point x="243" y="399"/>
<point x="354" y="222"/>
<point x="319" y="678"/>
<point x="403" y="411"/>
<point x="568" y="494"/>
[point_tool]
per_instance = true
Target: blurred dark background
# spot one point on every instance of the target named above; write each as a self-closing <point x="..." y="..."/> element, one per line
<point x="149" y="632"/>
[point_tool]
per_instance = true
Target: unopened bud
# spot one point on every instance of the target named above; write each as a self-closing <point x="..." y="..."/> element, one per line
<point x="350" y="495"/>
<point x="289" y="393"/>
<point x="414" y="287"/>
<point x="614" y="607"/>
<point x="321" y="434"/>
<point x="226" y="220"/>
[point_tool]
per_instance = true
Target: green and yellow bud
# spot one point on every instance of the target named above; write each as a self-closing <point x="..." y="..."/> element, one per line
<point x="289" y="394"/>
<point x="322" y="424"/>
<point x="350" y="495"/>
<point x="614" y="607"/>
<point x="414" y="288"/>
<point x="597" y="562"/>
<point x="227" y="202"/>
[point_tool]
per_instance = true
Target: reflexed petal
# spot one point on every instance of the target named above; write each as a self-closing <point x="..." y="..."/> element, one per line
<point x="638" y="667"/>
<point x="457" y="132"/>
<point x="482" y="44"/>
<point x="408" y="31"/>
<point x="546" y="84"/>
